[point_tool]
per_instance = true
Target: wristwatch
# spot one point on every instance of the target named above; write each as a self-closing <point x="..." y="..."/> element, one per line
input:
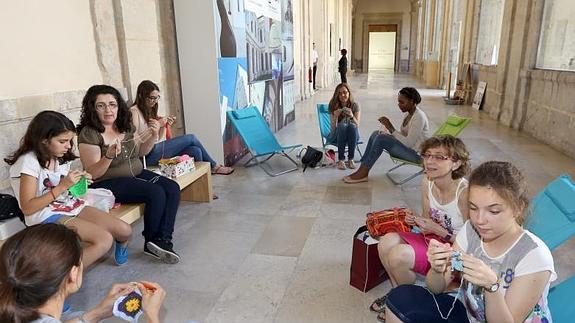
<point x="494" y="287"/>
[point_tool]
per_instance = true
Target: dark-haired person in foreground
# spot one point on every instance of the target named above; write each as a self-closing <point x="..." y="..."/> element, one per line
<point x="42" y="265"/>
<point x="400" y="142"/>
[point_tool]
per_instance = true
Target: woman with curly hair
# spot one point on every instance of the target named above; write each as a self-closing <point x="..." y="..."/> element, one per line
<point x="111" y="152"/>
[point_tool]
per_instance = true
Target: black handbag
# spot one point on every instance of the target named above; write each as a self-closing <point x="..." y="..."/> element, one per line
<point x="311" y="157"/>
<point x="9" y="208"/>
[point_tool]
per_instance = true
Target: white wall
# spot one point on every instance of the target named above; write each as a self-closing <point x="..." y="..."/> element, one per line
<point x="46" y="46"/>
<point x="196" y="36"/>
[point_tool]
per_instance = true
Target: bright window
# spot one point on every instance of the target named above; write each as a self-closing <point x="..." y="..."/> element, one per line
<point x="489" y="34"/>
<point x="557" y="42"/>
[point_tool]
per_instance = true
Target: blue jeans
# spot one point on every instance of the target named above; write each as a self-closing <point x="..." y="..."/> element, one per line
<point x="186" y="144"/>
<point x="345" y="134"/>
<point x="412" y="303"/>
<point x="378" y="142"/>
<point x="160" y="194"/>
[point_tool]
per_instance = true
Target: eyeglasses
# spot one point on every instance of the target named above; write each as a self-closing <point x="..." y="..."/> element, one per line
<point x="102" y="106"/>
<point x="154" y="98"/>
<point x="435" y="157"/>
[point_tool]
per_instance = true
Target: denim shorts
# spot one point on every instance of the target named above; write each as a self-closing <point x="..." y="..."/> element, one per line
<point x="53" y="218"/>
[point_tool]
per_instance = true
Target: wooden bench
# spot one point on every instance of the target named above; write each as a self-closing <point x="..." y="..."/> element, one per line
<point x="195" y="186"/>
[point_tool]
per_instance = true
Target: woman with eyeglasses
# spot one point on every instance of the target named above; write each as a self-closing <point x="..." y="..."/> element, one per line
<point x="398" y="143"/>
<point x="444" y="211"/>
<point x="111" y="152"/>
<point x="145" y="113"/>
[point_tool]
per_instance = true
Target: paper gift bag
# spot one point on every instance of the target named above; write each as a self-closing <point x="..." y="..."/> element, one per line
<point x="366" y="269"/>
<point x="176" y="166"/>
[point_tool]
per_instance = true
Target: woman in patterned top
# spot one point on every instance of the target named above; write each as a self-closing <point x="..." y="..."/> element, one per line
<point x="445" y="200"/>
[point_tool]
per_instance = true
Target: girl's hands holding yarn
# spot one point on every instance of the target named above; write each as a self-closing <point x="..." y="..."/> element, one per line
<point x="152" y="298"/>
<point x="170" y="120"/>
<point x="114" y="149"/>
<point x="72" y="178"/>
<point x="104" y="309"/>
<point x="477" y="272"/>
<point x="410" y="219"/>
<point x="154" y="125"/>
<point x="426" y="225"/>
<point x="439" y="255"/>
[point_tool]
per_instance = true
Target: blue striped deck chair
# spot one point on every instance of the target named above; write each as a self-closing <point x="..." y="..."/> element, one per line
<point x="259" y="139"/>
<point x="452" y="126"/>
<point x="552" y="219"/>
<point x="324" y="121"/>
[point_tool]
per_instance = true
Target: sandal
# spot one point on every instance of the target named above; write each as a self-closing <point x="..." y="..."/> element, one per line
<point x="222" y="170"/>
<point x="381" y="317"/>
<point x="341" y="165"/>
<point x="380" y="303"/>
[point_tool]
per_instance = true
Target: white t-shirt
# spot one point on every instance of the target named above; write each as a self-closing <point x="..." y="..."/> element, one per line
<point x="526" y="256"/>
<point x="415" y="132"/>
<point x="65" y="203"/>
<point x="314" y="57"/>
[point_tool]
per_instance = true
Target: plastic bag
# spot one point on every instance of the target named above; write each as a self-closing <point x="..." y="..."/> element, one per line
<point x="100" y="198"/>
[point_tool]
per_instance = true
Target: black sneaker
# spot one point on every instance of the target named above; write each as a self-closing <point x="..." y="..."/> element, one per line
<point x="162" y="250"/>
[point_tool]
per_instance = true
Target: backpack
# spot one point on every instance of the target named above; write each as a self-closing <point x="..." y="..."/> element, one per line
<point x="311" y="157"/>
<point x="9" y="208"/>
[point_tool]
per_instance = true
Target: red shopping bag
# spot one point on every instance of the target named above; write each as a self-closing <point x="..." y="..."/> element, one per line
<point x="366" y="269"/>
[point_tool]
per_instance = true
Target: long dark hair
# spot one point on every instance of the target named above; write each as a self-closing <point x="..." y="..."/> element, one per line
<point x="144" y="89"/>
<point x="33" y="264"/>
<point x="89" y="116"/>
<point x="43" y="127"/>
<point x="334" y="103"/>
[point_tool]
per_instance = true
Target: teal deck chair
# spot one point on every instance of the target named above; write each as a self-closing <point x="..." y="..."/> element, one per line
<point x="560" y="300"/>
<point x="452" y="126"/>
<point x="324" y="121"/>
<point x="552" y="215"/>
<point x="552" y="219"/>
<point x="259" y="139"/>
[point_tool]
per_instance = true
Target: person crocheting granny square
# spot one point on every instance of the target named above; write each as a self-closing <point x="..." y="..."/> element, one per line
<point x="34" y="286"/>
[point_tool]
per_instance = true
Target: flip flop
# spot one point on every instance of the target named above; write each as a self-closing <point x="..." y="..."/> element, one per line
<point x="222" y="170"/>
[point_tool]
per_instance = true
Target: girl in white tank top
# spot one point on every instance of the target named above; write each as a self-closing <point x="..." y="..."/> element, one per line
<point x="448" y="215"/>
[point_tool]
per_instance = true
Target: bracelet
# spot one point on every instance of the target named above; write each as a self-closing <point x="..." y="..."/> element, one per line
<point x="110" y="158"/>
<point x="53" y="195"/>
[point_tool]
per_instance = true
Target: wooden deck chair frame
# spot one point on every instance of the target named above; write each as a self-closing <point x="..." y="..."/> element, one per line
<point x="452" y="126"/>
<point x="260" y="141"/>
<point x="324" y="123"/>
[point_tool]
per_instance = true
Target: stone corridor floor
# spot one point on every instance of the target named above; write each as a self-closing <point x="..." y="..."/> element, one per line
<point x="279" y="249"/>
